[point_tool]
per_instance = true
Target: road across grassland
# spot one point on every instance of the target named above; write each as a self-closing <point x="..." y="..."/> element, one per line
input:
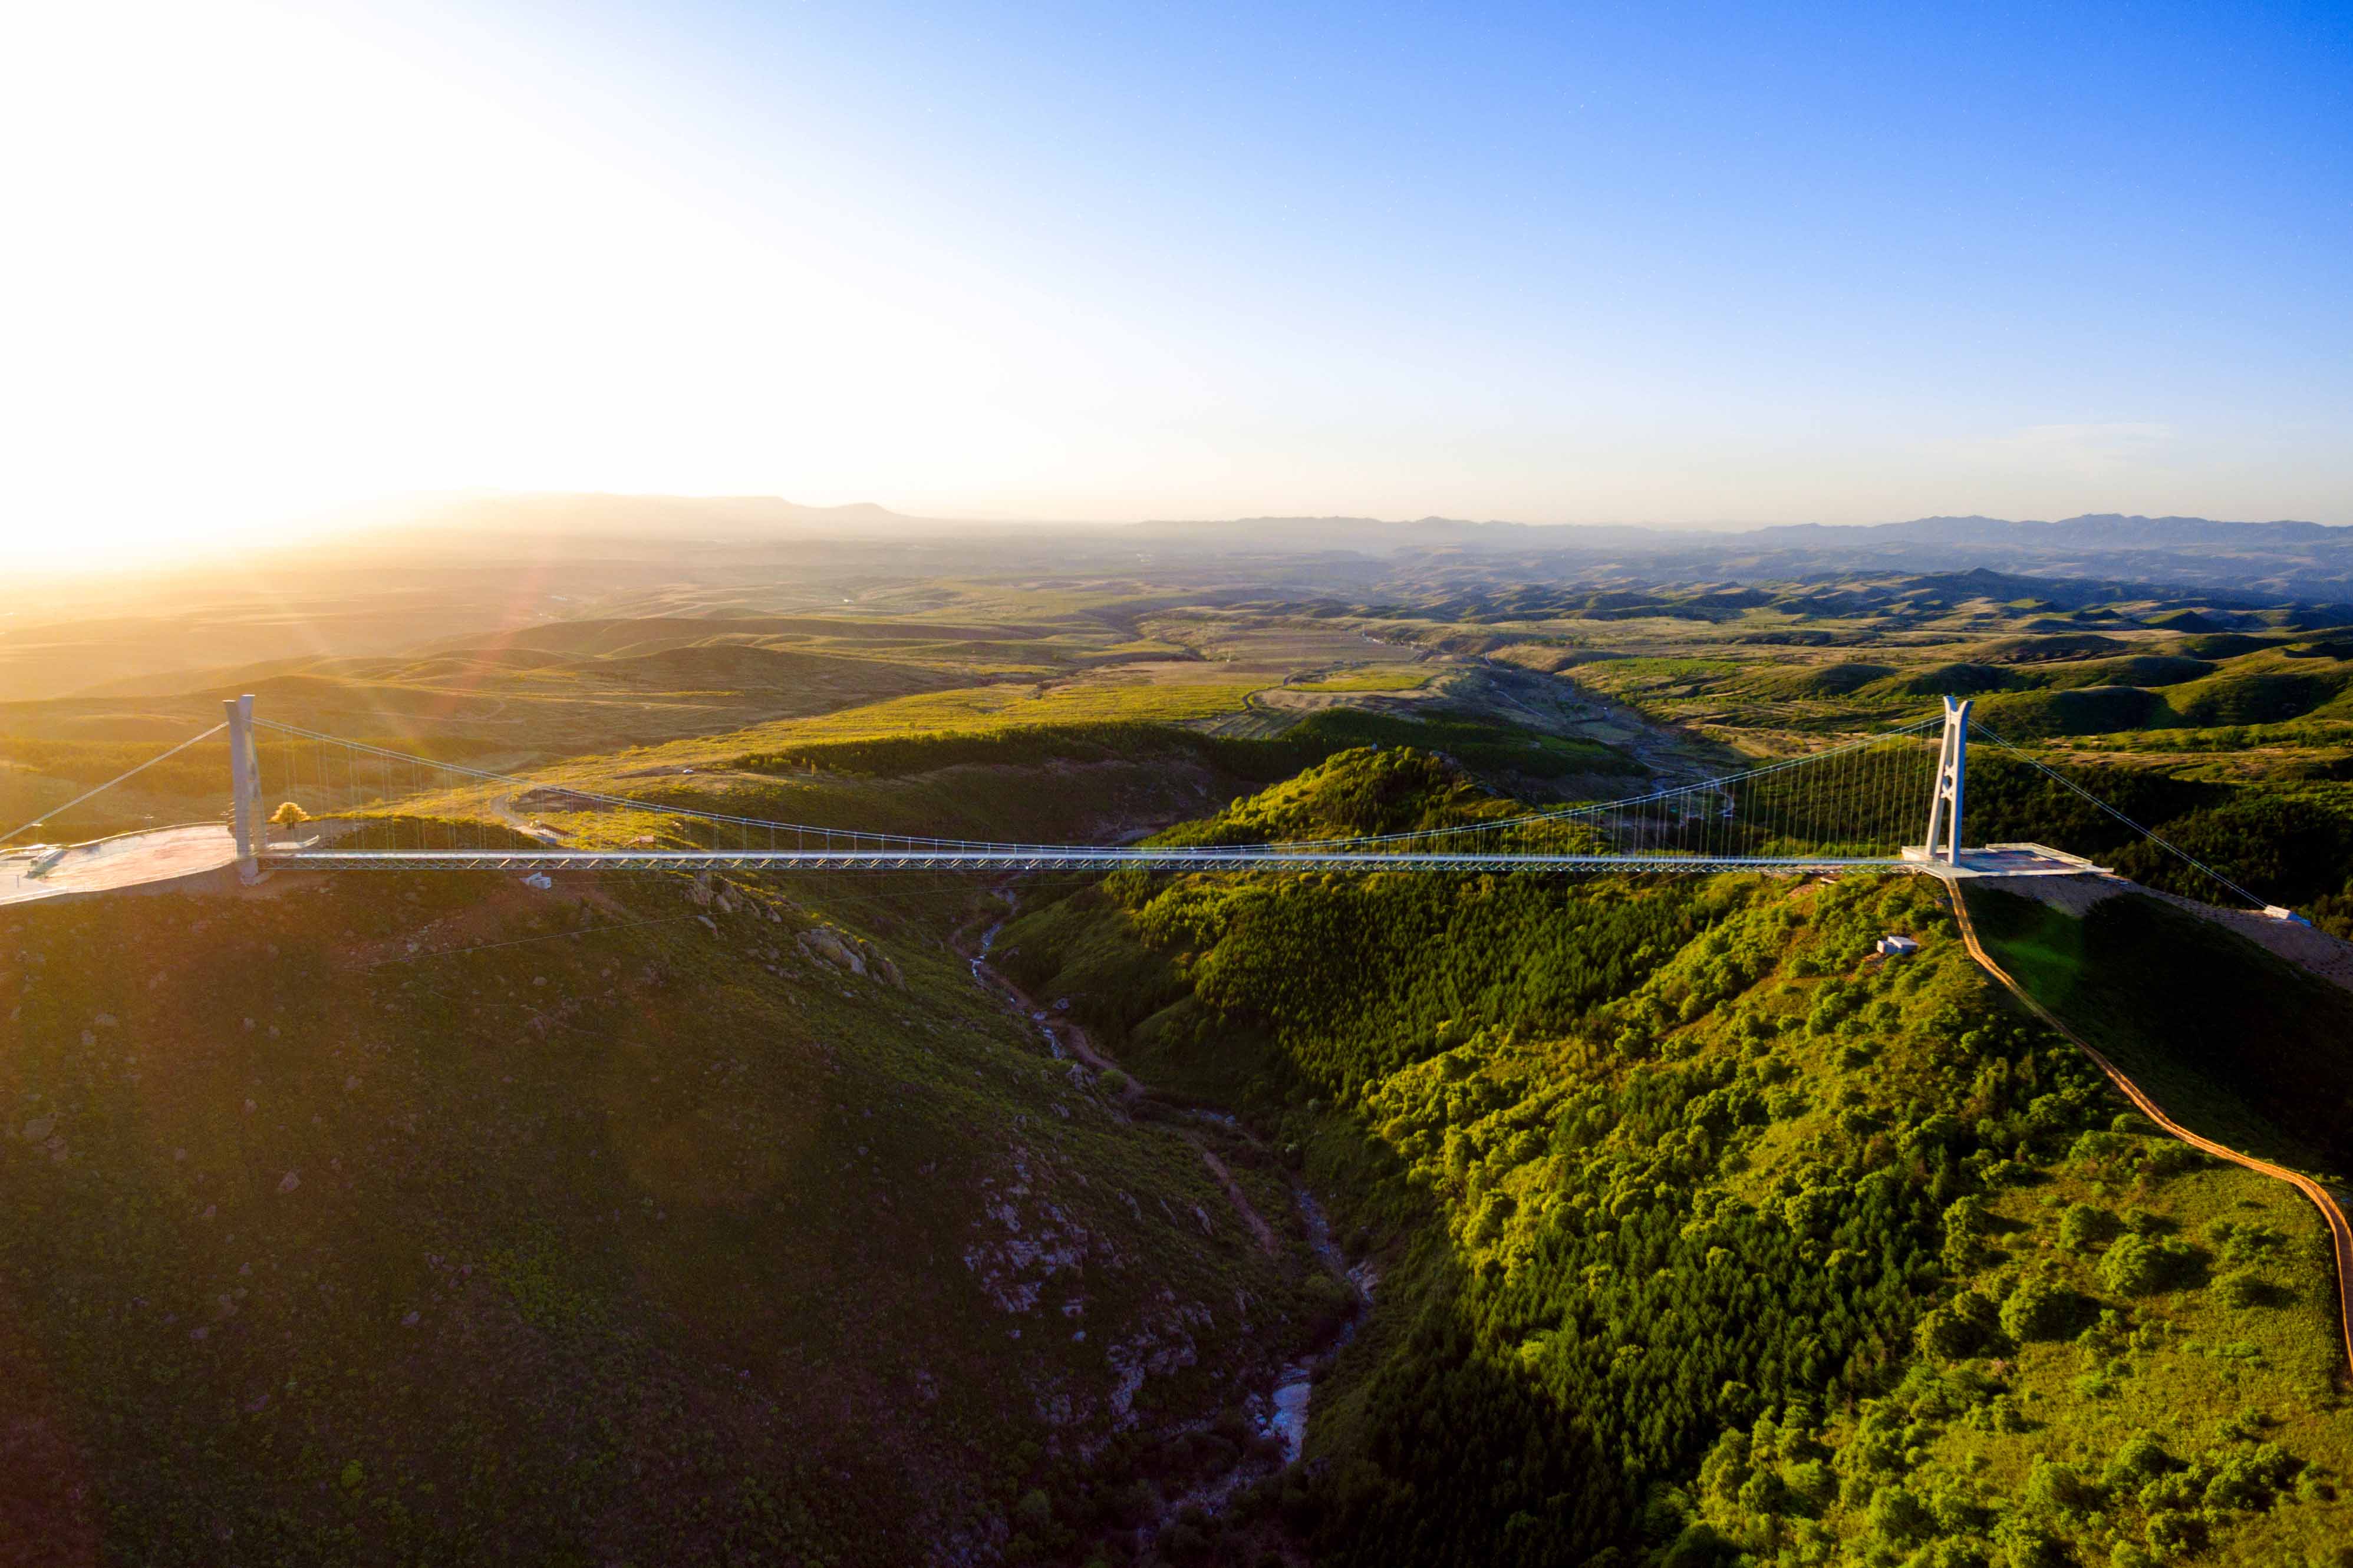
<point x="2340" y="1230"/>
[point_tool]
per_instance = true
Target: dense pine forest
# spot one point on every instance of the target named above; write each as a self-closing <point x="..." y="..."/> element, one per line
<point x="1707" y="1235"/>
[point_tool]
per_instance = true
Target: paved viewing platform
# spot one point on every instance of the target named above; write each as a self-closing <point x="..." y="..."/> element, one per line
<point x="2006" y="861"/>
<point x="165" y="856"/>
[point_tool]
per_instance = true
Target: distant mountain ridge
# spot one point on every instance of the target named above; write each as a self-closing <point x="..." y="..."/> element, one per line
<point x="598" y="513"/>
<point x="2282" y="559"/>
<point x="2106" y="528"/>
<point x="2091" y="528"/>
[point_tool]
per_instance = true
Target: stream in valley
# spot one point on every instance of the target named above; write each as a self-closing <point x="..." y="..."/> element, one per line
<point x="1294" y="1388"/>
<point x="990" y="980"/>
<point x="1295" y="1385"/>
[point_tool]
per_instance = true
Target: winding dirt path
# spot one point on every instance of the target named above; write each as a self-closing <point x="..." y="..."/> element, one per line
<point x="1234" y="1194"/>
<point x="2340" y="1231"/>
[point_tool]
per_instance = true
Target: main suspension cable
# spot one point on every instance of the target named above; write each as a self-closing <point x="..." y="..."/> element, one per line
<point x="117" y="779"/>
<point x="2151" y="835"/>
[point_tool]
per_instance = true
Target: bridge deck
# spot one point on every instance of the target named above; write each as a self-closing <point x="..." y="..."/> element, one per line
<point x="1023" y="857"/>
<point x="172" y="855"/>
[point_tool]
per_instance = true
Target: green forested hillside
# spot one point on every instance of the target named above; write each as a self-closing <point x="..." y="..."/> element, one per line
<point x="1705" y="1234"/>
<point x="402" y="1219"/>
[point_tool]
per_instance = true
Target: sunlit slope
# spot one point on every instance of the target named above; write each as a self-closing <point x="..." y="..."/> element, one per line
<point x="2235" y="1042"/>
<point x="608" y="686"/>
<point x="389" y="1220"/>
<point x="1705" y="1230"/>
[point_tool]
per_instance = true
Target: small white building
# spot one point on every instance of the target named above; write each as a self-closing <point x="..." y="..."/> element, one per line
<point x="1894" y="946"/>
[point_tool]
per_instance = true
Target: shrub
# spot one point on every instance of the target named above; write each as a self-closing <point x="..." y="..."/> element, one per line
<point x="2026" y="1545"/>
<point x="2038" y="1310"/>
<point x="2096" y="1149"/>
<point x="2242" y="1288"/>
<point x="1896" y="1515"/>
<point x="2171" y="1532"/>
<point x="1812" y="1480"/>
<point x="2057" y="1486"/>
<point x="2082" y="1228"/>
<point x="2245" y="1427"/>
<point x="2251" y="1480"/>
<point x="287" y="815"/>
<point x="1963" y="1328"/>
<point x="2139" y="1458"/>
<point x="2136" y="1263"/>
<point x="1700" y="1545"/>
<point x="1966" y="1226"/>
<point x="2173" y="1489"/>
<point x="2249" y="1243"/>
<point x="1764" y="1493"/>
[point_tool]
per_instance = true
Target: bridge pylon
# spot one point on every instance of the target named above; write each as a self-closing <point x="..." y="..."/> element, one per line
<point x="245" y="822"/>
<point x="1945" y="799"/>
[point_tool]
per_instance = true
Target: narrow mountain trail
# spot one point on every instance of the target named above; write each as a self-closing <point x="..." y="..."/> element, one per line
<point x="1241" y="1200"/>
<point x="2340" y="1231"/>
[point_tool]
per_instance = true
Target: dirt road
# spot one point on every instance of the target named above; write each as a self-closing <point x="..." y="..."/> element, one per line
<point x="2340" y="1231"/>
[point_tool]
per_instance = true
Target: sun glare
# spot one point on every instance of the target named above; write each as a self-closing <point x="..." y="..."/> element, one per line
<point x="286" y="266"/>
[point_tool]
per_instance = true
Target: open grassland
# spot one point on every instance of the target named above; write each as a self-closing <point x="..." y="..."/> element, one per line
<point x="954" y="762"/>
<point x="2226" y="731"/>
<point x="686" y="690"/>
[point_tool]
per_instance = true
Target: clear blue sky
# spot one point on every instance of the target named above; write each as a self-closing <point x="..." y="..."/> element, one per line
<point x="1683" y="264"/>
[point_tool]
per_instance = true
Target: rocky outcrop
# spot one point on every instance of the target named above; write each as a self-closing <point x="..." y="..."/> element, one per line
<point x="826" y="945"/>
<point x="851" y="954"/>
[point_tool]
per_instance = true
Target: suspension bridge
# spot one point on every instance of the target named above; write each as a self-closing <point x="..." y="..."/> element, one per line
<point x="1889" y="801"/>
<point x="346" y="806"/>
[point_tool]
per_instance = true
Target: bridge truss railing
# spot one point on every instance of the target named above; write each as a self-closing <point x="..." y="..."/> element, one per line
<point x="341" y="801"/>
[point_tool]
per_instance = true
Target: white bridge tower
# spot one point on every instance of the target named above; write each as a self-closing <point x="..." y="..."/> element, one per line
<point x="1952" y="771"/>
<point x="246" y="821"/>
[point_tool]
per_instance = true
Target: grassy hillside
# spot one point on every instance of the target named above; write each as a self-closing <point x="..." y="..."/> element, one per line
<point x="434" y="1219"/>
<point x="2246" y="1047"/>
<point x="1702" y="1231"/>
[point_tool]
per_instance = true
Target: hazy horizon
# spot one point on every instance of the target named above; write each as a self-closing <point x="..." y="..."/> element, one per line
<point x="1083" y="266"/>
<point x="493" y="516"/>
